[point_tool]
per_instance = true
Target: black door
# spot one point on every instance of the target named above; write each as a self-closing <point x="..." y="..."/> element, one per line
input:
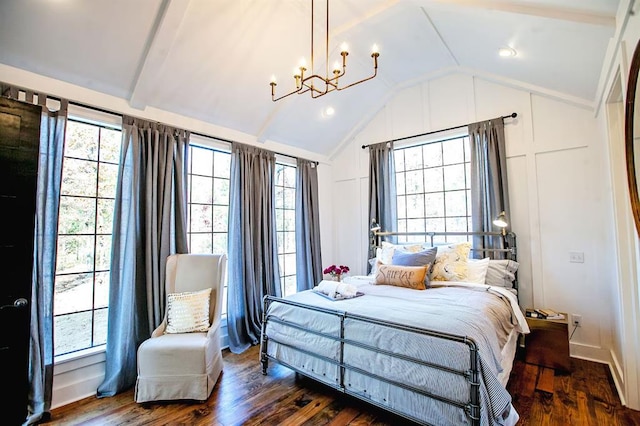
<point x="19" y="136"/>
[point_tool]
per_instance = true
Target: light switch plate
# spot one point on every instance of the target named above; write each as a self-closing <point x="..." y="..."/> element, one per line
<point x="576" y="257"/>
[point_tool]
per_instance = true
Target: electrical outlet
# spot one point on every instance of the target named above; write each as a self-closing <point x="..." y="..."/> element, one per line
<point x="576" y="257"/>
<point x="577" y="320"/>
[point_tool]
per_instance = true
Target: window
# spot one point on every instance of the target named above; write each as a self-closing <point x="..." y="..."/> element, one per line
<point x="433" y="187"/>
<point x="285" y="189"/>
<point x="209" y="173"/>
<point x="89" y="175"/>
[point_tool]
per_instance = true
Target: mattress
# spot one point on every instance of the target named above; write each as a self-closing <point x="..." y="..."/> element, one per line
<point x="407" y="372"/>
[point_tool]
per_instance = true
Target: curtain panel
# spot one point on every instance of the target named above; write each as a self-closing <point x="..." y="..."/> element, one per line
<point x="253" y="250"/>
<point x="308" y="253"/>
<point x="149" y="224"/>
<point x="382" y="189"/>
<point x="41" y="351"/>
<point x="489" y="190"/>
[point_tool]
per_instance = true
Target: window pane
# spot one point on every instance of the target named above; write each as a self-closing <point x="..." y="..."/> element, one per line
<point x="415" y="225"/>
<point x="401" y="204"/>
<point x="221" y="191"/>
<point x="413" y="158"/>
<point x="279" y="175"/>
<point x="279" y="196"/>
<point x="435" y="224"/>
<point x="415" y="182"/>
<point x="289" y="285"/>
<point x="290" y="177"/>
<point x="290" y="198"/>
<point x="280" y="242"/>
<point x="290" y="242"/>
<point x="103" y="252"/>
<point x="75" y="253"/>
<point x="432" y="154"/>
<point x="73" y="332"/>
<point x="77" y="215"/>
<point x="415" y="206"/>
<point x="434" y="204"/>
<point x="453" y="151"/>
<point x="73" y="293"/>
<point x="433" y="180"/>
<point x="200" y="243"/>
<point x="100" y="327"/>
<point x="110" y="142"/>
<point x="105" y="216"/>
<point x="107" y="180"/>
<point x="454" y="177"/>
<point x="220" y="243"/>
<point x="102" y="290"/>
<point x="456" y="202"/>
<point x="398" y="157"/>
<point x="81" y="141"/>
<point x="201" y="218"/>
<point x="79" y="177"/>
<point x="221" y="165"/>
<point x="400" y="183"/>
<point x="201" y="191"/>
<point x="201" y="161"/>
<point x="457" y="224"/>
<point x="220" y="218"/>
<point x="290" y="264"/>
<point x="289" y="220"/>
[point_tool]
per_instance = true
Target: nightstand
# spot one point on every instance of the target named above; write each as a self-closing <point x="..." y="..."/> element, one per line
<point x="548" y="343"/>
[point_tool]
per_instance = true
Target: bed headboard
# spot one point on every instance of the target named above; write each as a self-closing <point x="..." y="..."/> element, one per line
<point x="504" y="242"/>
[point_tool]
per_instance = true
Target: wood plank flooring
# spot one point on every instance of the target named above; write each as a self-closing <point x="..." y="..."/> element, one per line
<point x="243" y="396"/>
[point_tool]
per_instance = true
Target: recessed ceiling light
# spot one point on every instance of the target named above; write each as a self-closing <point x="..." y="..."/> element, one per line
<point x="329" y="111"/>
<point x="507" y="52"/>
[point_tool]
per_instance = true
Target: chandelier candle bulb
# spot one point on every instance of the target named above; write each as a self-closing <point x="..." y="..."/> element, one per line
<point x="316" y="84"/>
<point x="375" y="49"/>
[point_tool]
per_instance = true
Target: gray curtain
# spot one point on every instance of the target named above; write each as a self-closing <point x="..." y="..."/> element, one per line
<point x="489" y="190"/>
<point x="52" y="132"/>
<point x="308" y="256"/>
<point x="382" y="188"/>
<point x="149" y="224"/>
<point x="253" y="250"/>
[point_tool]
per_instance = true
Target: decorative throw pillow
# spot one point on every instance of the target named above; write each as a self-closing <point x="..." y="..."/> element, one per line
<point x="401" y="276"/>
<point x="477" y="270"/>
<point x="188" y="311"/>
<point x="421" y="258"/>
<point x="385" y="253"/>
<point x="501" y="272"/>
<point x="451" y="262"/>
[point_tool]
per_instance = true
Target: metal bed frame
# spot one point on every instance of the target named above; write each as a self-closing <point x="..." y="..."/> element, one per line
<point x="471" y="407"/>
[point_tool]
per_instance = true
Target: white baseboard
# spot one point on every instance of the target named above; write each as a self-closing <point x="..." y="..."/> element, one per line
<point x="618" y="377"/>
<point x="590" y="353"/>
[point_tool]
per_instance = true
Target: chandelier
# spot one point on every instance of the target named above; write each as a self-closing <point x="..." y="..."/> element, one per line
<point x="315" y="84"/>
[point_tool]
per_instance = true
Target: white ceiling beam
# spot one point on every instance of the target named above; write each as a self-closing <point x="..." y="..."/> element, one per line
<point x="159" y="44"/>
<point x="552" y="12"/>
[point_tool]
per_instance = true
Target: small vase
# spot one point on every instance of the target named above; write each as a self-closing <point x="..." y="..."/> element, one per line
<point x="337" y="278"/>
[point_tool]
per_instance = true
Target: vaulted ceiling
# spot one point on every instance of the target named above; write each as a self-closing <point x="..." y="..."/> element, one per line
<point x="213" y="59"/>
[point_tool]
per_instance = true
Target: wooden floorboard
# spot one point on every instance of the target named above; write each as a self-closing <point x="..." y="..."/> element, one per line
<point x="243" y="396"/>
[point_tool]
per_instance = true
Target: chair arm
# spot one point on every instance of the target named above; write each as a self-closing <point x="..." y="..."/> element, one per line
<point x="159" y="331"/>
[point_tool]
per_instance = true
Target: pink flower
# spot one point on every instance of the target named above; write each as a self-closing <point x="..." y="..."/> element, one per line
<point x="334" y="270"/>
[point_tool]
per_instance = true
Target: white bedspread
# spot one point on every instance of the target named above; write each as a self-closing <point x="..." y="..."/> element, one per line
<point x="486" y="314"/>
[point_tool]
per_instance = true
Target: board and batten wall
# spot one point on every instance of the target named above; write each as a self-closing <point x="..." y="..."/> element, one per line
<point x="557" y="187"/>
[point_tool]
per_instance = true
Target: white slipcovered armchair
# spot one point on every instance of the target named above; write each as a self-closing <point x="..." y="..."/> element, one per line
<point x="175" y="365"/>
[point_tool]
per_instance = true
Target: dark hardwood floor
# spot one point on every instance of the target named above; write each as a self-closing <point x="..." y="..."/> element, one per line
<point x="243" y="396"/>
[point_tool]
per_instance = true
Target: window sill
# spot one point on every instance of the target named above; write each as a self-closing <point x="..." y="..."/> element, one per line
<point x="79" y="359"/>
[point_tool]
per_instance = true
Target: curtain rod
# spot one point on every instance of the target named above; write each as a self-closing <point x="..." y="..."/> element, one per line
<point x="512" y="115"/>
<point x="119" y="114"/>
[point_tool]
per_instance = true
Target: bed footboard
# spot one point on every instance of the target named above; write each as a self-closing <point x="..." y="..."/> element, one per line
<point x="471" y="406"/>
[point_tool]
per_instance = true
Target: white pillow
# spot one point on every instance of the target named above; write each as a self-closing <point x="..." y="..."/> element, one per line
<point x="385" y="253"/>
<point x="188" y="312"/>
<point x="477" y="270"/>
<point x="501" y="272"/>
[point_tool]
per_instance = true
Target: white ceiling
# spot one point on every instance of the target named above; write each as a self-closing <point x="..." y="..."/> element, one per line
<point x="213" y="59"/>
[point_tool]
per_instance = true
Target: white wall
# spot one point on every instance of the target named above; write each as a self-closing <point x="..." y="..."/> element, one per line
<point x="625" y="301"/>
<point x="558" y="205"/>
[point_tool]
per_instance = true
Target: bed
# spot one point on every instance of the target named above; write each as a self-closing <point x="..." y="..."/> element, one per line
<point x="437" y="356"/>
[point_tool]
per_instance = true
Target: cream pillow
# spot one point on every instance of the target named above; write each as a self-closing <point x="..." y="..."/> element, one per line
<point x="401" y="276"/>
<point x="188" y="311"/>
<point x="451" y="262"/>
